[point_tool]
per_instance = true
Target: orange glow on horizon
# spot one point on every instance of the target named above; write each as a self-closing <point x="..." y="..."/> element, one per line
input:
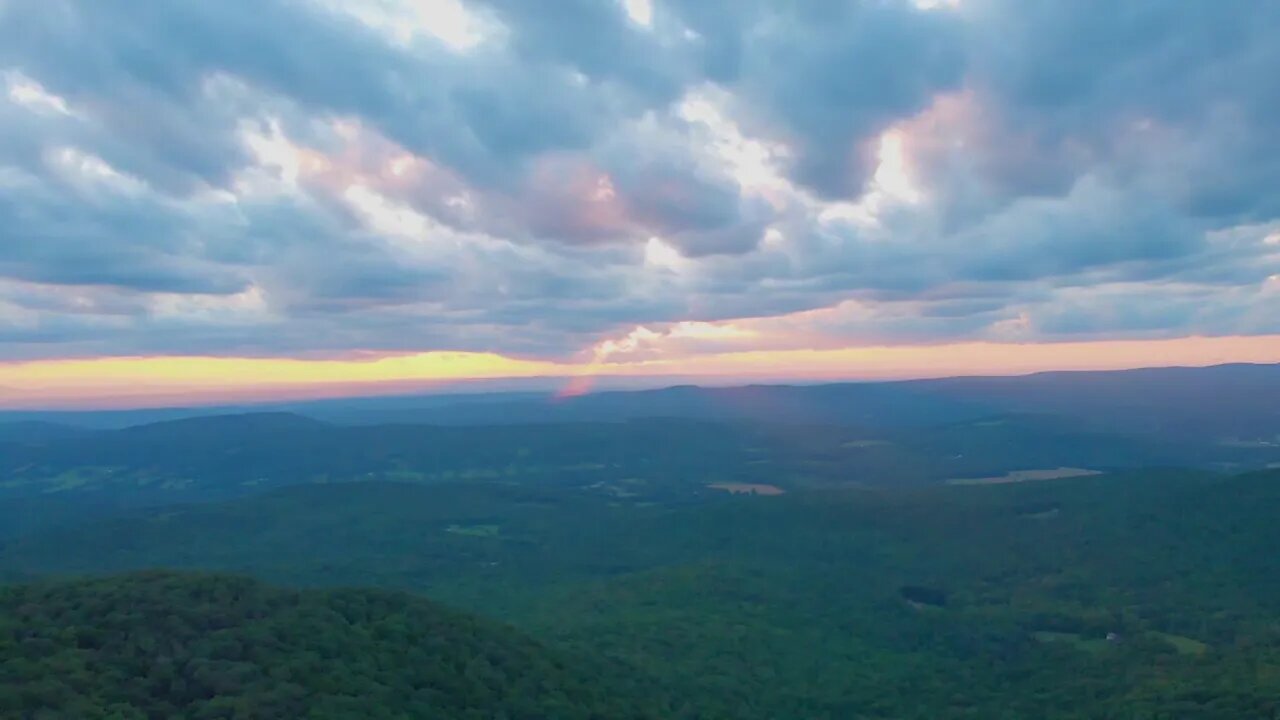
<point x="133" y="381"/>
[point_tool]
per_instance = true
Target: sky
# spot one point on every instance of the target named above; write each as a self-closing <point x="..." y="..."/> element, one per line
<point x="203" y="201"/>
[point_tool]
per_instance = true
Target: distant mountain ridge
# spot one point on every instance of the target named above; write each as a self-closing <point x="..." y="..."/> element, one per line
<point x="1218" y="402"/>
<point x="36" y="431"/>
<point x="1234" y="400"/>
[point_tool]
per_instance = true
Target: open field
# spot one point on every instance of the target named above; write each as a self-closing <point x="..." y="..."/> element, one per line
<point x="1017" y="476"/>
<point x="748" y="488"/>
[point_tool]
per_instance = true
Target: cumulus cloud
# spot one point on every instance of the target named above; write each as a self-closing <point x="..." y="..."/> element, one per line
<point x="308" y="176"/>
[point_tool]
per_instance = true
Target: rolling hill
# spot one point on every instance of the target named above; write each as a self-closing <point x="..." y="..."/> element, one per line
<point x="168" y="645"/>
<point x="805" y="604"/>
<point x="218" y="457"/>
<point x="1201" y="403"/>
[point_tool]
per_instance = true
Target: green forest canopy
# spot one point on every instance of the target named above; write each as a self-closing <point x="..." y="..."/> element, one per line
<point x="164" y="645"/>
<point x="840" y="603"/>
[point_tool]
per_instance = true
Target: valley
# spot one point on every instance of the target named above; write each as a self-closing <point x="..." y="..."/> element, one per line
<point x="971" y="569"/>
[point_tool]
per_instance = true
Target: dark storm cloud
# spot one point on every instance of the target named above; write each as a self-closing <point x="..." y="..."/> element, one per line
<point x="1076" y="77"/>
<point x="56" y="234"/>
<point x="598" y="40"/>
<point x="835" y="74"/>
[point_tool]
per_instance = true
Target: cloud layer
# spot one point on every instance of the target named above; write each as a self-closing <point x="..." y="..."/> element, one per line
<point x="588" y="178"/>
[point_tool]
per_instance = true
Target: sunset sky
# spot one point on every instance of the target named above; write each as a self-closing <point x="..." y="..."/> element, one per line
<point x="256" y="199"/>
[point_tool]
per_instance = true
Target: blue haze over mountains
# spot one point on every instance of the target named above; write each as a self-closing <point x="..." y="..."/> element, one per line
<point x="1236" y="401"/>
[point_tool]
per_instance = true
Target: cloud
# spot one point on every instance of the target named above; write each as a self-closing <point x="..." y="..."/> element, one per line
<point x="834" y="76"/>
<point x="305" y="176"/>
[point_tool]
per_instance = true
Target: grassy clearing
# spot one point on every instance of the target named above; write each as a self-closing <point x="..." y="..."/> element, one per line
<point x="80" y="478"/>
<point x="748" y="488"/>
<point x="485" y="531"/>
<point x="1075" y="640"/>
<point x="1183" y="644"/>
<point x="1017" y="476"/>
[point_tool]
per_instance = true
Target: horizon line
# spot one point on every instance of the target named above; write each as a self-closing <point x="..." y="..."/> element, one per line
<point x="640" y="383"/>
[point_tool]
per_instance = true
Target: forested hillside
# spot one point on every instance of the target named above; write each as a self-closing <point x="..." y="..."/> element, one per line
<point x="159" y="645"/>
<point x="228" y="456"/>
<point x="1150" y="594"/>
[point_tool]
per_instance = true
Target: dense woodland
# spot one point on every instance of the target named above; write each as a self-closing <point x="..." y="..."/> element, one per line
<point x="600" y="568"/>
<point x="159" y="645"/>
<point x="212" y="458"/>
<point x="945" y="601"/>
